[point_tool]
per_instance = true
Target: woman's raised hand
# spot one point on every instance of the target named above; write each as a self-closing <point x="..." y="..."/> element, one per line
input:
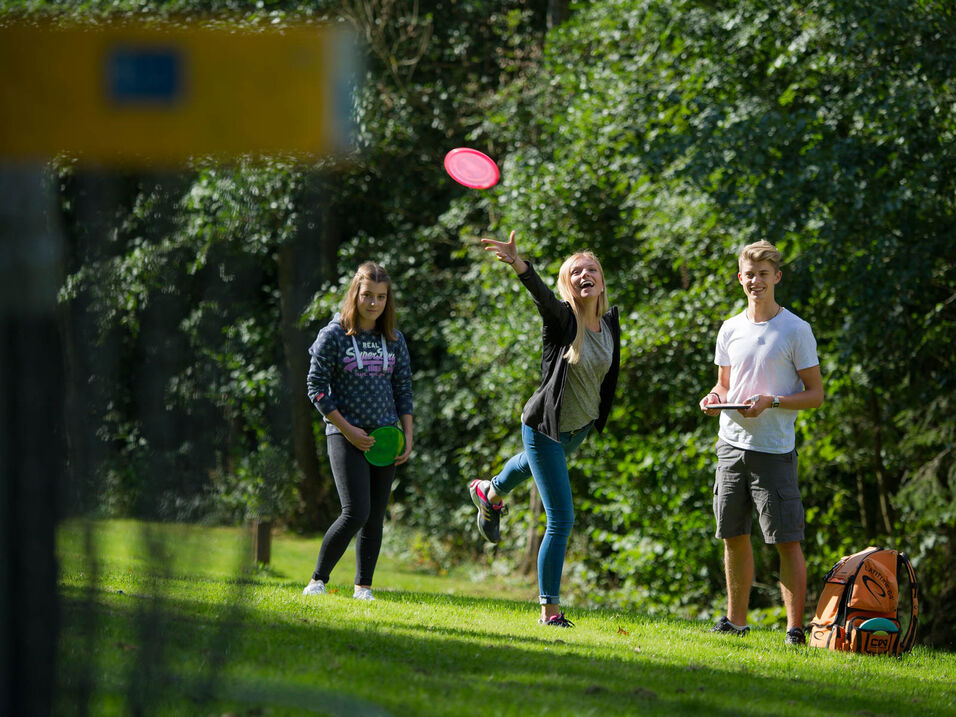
<point x="505" y="251"/>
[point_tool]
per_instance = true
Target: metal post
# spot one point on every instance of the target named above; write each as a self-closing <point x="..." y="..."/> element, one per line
<point x="30" y="439"/>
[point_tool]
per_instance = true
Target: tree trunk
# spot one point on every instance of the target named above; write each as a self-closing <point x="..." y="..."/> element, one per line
<point x="558" y="12"/>
<point x="313" y="490"/>
<point x="529" y="564"/>
<point x="880" y="468"/>
<point x="261" y="542"/>
<point x="861" y="502"/>
<point x="303" y="266"/>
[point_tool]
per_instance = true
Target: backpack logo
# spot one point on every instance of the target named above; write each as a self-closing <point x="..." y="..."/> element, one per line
<point x="869" y="583"/>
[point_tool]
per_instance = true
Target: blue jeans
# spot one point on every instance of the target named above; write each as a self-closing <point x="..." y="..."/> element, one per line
<point x="546" y="459"/>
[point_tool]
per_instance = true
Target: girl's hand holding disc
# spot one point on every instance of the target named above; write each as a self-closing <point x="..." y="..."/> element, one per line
<point x="359" y="438"/>
<point x="406" y="453"/>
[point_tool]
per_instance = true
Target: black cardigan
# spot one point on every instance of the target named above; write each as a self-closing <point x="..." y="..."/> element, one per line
<point x="542" y="412"/>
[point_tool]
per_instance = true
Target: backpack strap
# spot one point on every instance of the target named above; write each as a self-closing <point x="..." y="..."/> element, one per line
<point x="906" y="643"/>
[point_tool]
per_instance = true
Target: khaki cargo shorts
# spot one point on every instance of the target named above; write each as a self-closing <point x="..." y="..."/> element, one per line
<point x="766" y="481"/>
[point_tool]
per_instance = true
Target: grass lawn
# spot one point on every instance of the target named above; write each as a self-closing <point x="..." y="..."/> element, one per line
<point x="166" y="621"/>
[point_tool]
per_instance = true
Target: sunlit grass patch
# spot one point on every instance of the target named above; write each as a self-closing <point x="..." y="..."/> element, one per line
<point x="195" y="629"/>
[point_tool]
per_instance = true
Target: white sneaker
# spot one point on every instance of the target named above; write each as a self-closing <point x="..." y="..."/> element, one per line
<point x="363" y="594"/>
<point x="316" y="587"/>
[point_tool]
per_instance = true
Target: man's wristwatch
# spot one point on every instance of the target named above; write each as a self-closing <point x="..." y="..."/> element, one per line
<point x="776" y="402"/>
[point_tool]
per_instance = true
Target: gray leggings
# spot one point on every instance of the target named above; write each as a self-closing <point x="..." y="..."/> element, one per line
<point x="363" y="491"/>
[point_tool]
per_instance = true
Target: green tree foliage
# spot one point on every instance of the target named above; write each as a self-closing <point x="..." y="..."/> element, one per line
<point x="665" y="136"/>
<point x="187" y="372"/>
<point x="662" y="135"/>
<point x="223" y="262"/>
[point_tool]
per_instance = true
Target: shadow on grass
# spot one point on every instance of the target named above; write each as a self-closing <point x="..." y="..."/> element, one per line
<point x="323" y="658"/>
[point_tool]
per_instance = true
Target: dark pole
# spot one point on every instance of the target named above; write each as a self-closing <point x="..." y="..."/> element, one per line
<point x="31" y="439"/>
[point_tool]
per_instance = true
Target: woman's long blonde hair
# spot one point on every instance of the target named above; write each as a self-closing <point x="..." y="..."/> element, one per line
<point x="384" y="324"/>
<point x="573" y="354"/>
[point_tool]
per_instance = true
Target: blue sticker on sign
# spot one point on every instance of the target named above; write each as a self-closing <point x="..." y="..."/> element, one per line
<point x="144" y="75"/>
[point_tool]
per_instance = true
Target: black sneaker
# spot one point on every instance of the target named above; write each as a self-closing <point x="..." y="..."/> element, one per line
<point x="489" y="516"/>
<point x="795" y="636"/>
<point x="558" y="620"/>
<point x="726" y="626"/>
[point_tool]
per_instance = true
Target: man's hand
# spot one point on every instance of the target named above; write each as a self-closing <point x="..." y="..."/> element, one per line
<point x="758" y="404"/>
<point x="712" y="397"/>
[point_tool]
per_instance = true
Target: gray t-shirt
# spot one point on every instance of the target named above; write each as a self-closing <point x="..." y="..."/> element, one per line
<point x="582" y="391"/>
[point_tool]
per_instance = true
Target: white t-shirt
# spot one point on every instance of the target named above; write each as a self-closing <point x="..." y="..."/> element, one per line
<point x="764" y="357"/>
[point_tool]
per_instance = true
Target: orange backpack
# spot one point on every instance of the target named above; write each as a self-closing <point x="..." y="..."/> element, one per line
<point x="859" y="610"/>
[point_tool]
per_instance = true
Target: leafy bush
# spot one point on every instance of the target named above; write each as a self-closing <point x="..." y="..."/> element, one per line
<point x="262" y="487"/>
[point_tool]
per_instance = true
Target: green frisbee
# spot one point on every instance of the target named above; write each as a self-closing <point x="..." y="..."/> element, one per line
<point x="879" y="624"/>
<point x="389" y="444"/>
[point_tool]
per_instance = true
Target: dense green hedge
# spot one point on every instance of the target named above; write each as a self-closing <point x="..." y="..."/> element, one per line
<point x="662" y="135"/>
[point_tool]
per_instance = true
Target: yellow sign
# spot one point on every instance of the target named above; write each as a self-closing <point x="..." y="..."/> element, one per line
<point x="135" y="94"/>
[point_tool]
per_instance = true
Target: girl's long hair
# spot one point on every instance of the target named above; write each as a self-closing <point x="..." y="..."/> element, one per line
<point x="573" y="354"/>
<point x="385" y="323"/>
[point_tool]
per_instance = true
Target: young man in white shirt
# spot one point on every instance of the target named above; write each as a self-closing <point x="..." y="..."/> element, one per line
<point x="766" y="357"/>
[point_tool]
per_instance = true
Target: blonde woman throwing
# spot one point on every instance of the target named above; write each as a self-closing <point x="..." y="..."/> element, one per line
<point x="579" y="368"/>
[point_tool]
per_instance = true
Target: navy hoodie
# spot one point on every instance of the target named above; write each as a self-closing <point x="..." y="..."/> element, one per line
<point x="369" y="395"/>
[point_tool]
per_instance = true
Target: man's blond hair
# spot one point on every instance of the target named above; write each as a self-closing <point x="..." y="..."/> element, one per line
<point x="760" y="251"/>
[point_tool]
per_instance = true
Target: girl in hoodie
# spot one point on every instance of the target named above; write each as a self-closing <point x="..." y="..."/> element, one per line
<point x="360" y="379"/>
<point x="579" y="366"/>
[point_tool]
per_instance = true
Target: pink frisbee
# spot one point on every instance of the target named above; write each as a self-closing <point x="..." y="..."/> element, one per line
<point x="471" y="168"/>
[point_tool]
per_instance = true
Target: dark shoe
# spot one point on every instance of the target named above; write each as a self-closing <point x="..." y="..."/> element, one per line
<point x="558" y="620"/>
<point x="726" y="626"/>
<point x="489" y="516"/>
<point x="795" y="636"/>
